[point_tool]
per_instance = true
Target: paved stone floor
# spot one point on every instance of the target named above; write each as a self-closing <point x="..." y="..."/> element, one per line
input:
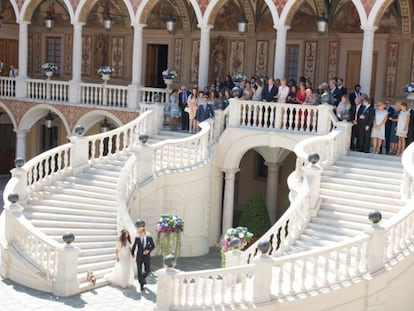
<point x="15" y="297"/>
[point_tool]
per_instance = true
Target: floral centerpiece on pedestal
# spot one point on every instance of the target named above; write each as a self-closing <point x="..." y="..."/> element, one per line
<point x="241" y="233"/>
<point x="169" y="74"/>
<point x="409" y="90"/>
<point x="238" y="77"/>
<point x="50" y="67"/>
<point x="105" y="70"/>
<point x="169" y="228"/>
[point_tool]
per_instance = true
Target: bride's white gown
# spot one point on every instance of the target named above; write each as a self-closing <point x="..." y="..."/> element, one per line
<point x="123" y="274"/>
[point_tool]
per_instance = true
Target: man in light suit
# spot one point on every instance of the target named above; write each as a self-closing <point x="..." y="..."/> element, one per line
<point x="144" y="245"/>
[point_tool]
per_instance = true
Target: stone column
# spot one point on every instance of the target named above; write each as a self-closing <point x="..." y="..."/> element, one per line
<point x="21" y="144"/>
<point x="228" y="204"/>
<point x="367" y="58"/>
<point x="280" y="51"/>
<point x="133" y="89"/>
<point x="204" y="56"/>
<point x="272" y="188"/>
<point x="23" y="58"/>
<point x="74" y="84"/>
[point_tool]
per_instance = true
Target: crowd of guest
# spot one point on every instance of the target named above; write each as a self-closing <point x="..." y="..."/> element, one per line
<point x="377" y="127"/>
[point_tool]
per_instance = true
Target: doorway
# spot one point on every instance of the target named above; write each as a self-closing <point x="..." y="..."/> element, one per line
<point x="9" y="54"/>
<point x="353" y="71"/>
<point x="7" y="148"/>
<point x="157" y="61"/>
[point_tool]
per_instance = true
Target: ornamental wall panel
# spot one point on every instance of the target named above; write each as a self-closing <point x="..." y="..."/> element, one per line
<point x="37" y="57"/>
<point x="67" y="66"/>
<point x="178" y="45"/>
<point x="333" y="59"/>
<point x="237" y="57"/>
<point x="195" y="54"/>
<point x="117" y="53"/>
<point x="262" y="48"/>
<point x="310" y="60"/>
<point x="86" y="55"/>
<point x="391" y="71"/>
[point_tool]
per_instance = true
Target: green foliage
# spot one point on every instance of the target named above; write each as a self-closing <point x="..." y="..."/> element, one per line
<point x="255" y="216"/>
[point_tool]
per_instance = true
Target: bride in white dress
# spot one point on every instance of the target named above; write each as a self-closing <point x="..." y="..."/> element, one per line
<point x="123" y="274"/>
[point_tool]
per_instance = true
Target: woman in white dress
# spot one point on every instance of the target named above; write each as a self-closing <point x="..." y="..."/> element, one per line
<point x="123" y="273"/>
<point x="378" y="130"/>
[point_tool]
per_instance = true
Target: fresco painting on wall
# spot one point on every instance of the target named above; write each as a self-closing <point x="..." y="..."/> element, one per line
<point x="310" y="60"/>
<point x="86" y="55"/>
<point x="237" y="57"/>
<point x="195" y="52"/>
<point x="346" y="19"/>
<point x="227" y="16"/>
<point x="68" y="56"/>
<point x="265" y="23"/>
<point x="333" y="59"/>
<point x="177" y="58"/>
<point x="261" y="58"/>
<point x="218" y="59"/>
<point x="391" y="73"/>
<point x="304" y="19"/>
<point x="118" y="56"/>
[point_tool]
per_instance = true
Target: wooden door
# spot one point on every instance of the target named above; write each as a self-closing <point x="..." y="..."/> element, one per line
<point x="9" y="54"/>
<point x="157" y="60"/>
<point x="7" y="148"/>
<point x="353" y="71"/>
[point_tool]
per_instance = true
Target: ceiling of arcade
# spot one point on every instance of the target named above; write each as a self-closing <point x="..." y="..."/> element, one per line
<point x="394" y="15"/>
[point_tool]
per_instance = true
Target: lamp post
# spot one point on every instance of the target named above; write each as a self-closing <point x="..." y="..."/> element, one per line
<point x="322" y="23"/>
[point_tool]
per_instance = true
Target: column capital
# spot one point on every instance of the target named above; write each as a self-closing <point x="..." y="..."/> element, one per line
<point x="138" y="25"/>
<point x="369" y="28"/>
<point x="20" y="132"/>
<point x="230" y="173"/>
<point x="23" y="22"/>
<point x="281" y="28"/>
<point x="205" y="28"/>
<point x="78" y="24"/>
<point x="272" y="165"/>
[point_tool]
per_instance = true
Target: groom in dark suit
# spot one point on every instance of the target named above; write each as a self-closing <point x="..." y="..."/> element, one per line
<point x="145" y="245"/>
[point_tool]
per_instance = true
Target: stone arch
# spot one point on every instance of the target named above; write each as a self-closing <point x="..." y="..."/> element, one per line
<point x="215" y="5"/>
<point x="145" y="9"/>
<point x="378" y="11"/>
<point x="10" y="114"/>
<point x="92" y="117"/>
<point x="29" y="8"/>
<point x="233" y="155"/>
<point x="85" y="6"/>
<point x="39" y="111"/>
<point x="15" y="9"/>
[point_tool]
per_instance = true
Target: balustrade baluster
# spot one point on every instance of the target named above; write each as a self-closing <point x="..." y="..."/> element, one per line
<point x="244" y="112"/>
<point x="223" y="288"/>
<point x="315" y="272"/>
<point x="337" y="265"/>
<point x="292" y="277"/>
<point x="304" y="275"/>
<point x="358" y="257"/>
<point x="243" y="281"/>
<point x="255" y="116"/>
<point x="281" y="278"/>
<point x="326" y="269"/>
<point x="283" y="111"/>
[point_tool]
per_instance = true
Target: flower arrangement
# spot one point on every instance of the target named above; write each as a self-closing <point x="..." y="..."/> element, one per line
<point x="169" y="74"/>
<point x="169" y="228"/>
<point x="170" y="223"/>
<point x="241" y="233"/>
<point x="105" y="70"/>
<point x="239" y="77"/>
<point x="50" y="67"/>
<point x="409" y="88"/>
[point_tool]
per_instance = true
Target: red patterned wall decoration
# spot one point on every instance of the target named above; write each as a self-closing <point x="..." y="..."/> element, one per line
<point x="333" y="59"/>
<point x="310" y="60"/>
<point x="67" y="66"/>
<point x="262" y="48"/>
<point x="368" y="5"/>
<point x="74" y="4"/>
<point x="118" y="56"/>
<point x="203" y="5"/>
<point x="195" y="53"/>
<point x="237" y="57"/>
<point x="37" y="60"/>
<point x="86" y="55"/>
<point x="280" y="4"/>
<point x="178" y="45"/>
<point x="391" y="73"/>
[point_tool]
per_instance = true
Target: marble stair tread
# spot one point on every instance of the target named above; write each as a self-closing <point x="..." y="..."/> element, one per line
<point x="374" y="182"/>
<point x="362" y="197"/>
<point x="386" y="210"/>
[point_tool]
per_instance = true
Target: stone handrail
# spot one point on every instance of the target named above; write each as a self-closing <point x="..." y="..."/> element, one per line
<point x="7" y="86"/>
<point x="305" y="119"/>
<point x="126" y="185"/>
<point x="146" y="94"/>
<point x="44" y="89"/>
<point x="407" y="186"/>
<point x="104" y="95"/>
<point x="175" y="154"/>
<point x="122" y="138"/>
<point x="219" y="124"/>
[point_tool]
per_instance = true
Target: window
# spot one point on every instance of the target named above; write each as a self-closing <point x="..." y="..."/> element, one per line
<point x="292" y="62"/>
<point x="54" y="51"/>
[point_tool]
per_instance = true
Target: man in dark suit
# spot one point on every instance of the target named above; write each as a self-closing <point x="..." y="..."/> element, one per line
<point x="366" y="124"/>
<point x="182" y="103"/>
<point x="144" y="245"/>
<point x="270" y="91"/>
<point x="355" y="94"/>
<point x="354" y="113"/>
<point x="335" y="93"/>
<point x="410" y="133"/>
<point x="341" y="87"/>
<point x="204" y="110"/>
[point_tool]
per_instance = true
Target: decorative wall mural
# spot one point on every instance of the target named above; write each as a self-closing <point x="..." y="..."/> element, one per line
<point x="333" y="59"/>
<point x="237" y="57"/>
<point x="304" y="19"/>
<point x="261" y="58"/>
<point x="118" y="56"/>
<point x="195" y="54"/>
<point x="218" y="59"/>
<point x="227" y="16"/>
<point x="100" y="52"/>
<point x="86" y="55"/>
<point x="177" y="57"/>
<point x="37" y="61"/>
<point x="67" y="66"/>
<point x="346" y="20"/>
<point x="310" y="60"/>
<point x="391" y="73"/>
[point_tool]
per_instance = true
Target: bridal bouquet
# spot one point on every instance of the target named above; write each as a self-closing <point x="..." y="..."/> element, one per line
<point x="169" y="74"/>
<point x="105" y="70"/>
<point x="50" y="67"/>
<point x="409" y="88"/>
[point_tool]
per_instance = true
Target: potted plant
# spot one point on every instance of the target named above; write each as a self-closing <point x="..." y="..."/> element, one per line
<point x="49" y="69"/>
<point x="169" y="75"/>
<point x="105" y="72"/>
<point x="409" y="90"/>
<point x="240" y="235"/>
<point x="169" y="228"/>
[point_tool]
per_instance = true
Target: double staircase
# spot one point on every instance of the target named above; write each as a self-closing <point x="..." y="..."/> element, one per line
<point x="86" y="206"/>
<point x="355" y="185"/>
